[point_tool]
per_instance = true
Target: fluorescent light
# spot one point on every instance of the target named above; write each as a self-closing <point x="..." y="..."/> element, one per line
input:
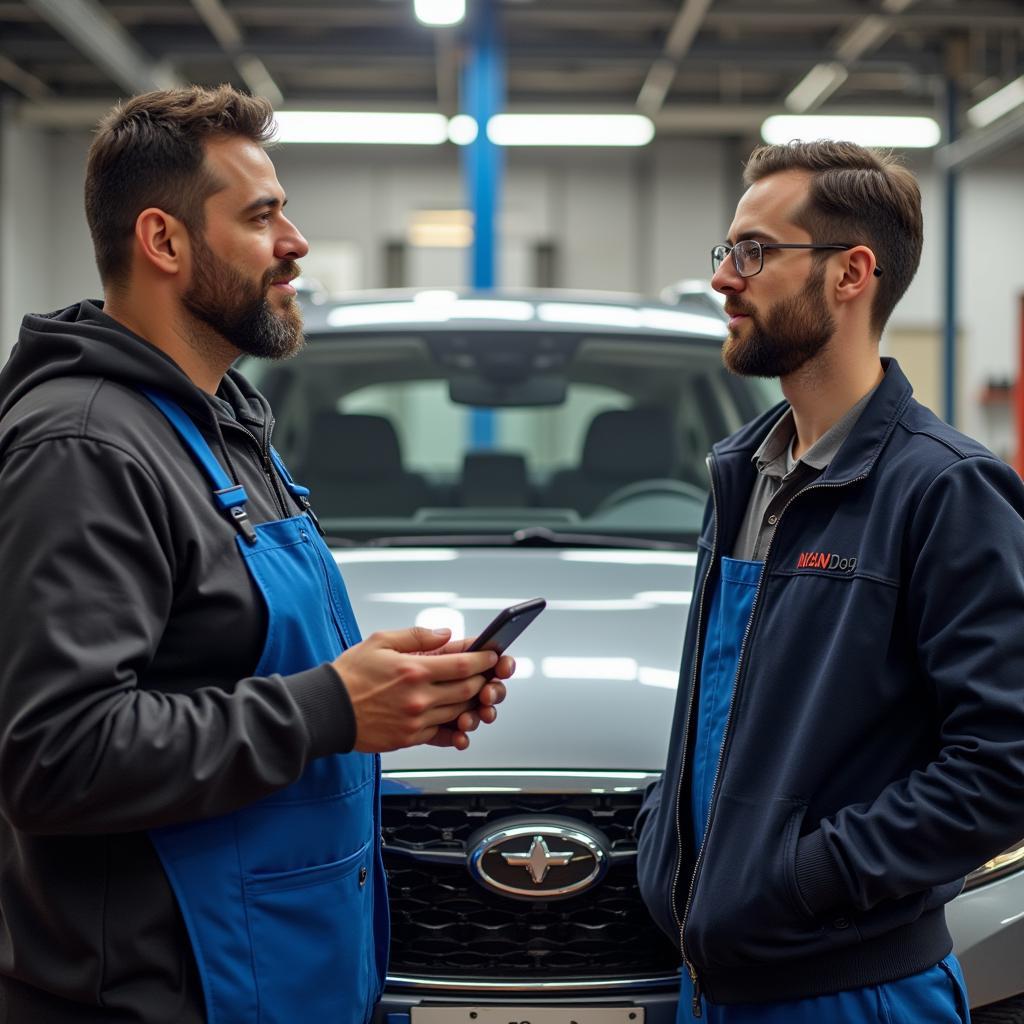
<point x="440" y="12"/>
<point x="816" y="86"/>
<point x="898" y="132"/>
<point x="361" y="127"/>
<point x="570" y="130"/>
<point x="867" y="34"/>
<point x="390" y="128"/>
<point x="999" y="103"/>
<point x="462" y="129"/>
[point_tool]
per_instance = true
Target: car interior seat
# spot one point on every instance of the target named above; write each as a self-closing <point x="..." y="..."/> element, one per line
<point x="353" y="467"/>
<point x="621" y="446"/>
<point x="494" y="479"/>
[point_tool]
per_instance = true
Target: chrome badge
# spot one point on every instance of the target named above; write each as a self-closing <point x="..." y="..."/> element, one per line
<point x="537" y="858"/>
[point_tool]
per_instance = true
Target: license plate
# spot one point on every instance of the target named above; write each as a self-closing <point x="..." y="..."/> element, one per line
<point x="526" y="1015"/>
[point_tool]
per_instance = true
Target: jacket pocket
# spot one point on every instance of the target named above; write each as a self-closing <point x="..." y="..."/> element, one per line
<point x="312" y="941"/>
<point x="746" y="906"/>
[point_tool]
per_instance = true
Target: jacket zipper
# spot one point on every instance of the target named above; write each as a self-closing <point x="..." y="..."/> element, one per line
<point x="268" y="467"/>
<point x="691" y="970"/>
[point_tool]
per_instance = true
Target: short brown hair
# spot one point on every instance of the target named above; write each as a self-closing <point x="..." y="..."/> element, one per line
<point x="149" y="151"/>
<point x="858" y="196"/>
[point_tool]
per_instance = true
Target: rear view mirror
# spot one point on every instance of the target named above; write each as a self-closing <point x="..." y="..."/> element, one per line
<point x="539" y="389"/>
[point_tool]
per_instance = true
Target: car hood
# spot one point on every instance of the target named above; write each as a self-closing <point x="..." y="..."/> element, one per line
<point x="597" y="671"/>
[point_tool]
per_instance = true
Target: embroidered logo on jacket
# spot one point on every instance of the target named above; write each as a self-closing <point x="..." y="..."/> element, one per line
<point x="825" y="560"/>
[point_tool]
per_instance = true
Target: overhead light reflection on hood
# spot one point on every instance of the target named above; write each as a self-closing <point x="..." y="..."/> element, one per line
<point x="665" y="596"/>
<point x="632" y="557"/>
<point x="589" y="668"/>
<point x="347" y="557"/>
<point x="443" y="618"/>
<point x="625" y="670"/>
<point x="469" y="604"/>
<point x="665" y="678"/>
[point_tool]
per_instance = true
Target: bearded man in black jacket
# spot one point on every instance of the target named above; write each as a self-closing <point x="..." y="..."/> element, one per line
<point x="189" y="723"/>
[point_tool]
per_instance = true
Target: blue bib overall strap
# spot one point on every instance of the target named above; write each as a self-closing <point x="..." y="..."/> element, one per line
<point x="298" y="492"/>
<point x="230" y="497"/>
<point x="935" y="996"/>
<point x="731" y="605"/>
<point x="284" y="900"/>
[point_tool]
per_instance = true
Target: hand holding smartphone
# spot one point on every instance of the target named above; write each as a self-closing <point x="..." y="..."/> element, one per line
<point x="507" y="625"/>
<point x="501" y="631"/>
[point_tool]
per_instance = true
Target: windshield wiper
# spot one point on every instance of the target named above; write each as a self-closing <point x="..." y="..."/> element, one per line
<point x="530" y="536"/>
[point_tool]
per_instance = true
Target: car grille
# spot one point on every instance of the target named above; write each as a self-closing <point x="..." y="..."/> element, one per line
<point x="445" y="925"/>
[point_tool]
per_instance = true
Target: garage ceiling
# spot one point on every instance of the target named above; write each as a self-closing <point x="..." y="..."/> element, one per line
<point x="695" y="66"/>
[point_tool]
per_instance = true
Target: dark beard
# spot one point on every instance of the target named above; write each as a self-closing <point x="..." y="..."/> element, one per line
<point x="238" y="310"/>
<point x="794" y="331"/>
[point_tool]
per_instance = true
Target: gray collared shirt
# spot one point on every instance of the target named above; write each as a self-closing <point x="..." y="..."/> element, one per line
<point x="779" y="477"/>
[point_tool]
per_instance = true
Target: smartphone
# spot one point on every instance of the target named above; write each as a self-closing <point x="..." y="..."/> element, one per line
<point x="507" y="625"/>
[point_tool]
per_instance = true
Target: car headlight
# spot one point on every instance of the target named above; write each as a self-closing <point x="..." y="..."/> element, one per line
<point x="1003" y="864"/>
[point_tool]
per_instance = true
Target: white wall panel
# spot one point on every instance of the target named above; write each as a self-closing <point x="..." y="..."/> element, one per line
<point x="26" y="225"/>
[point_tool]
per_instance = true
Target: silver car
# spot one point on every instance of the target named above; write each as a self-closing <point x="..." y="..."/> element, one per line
<point x="469" y="451"/>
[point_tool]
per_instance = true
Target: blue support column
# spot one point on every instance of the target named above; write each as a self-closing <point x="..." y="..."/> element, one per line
<point x="483" y="95"/>
<point x="950" y="259"/>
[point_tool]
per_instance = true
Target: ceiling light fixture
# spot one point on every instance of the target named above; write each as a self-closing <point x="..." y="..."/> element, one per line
<point x="1002" y="102"/>
<point x="816" y="86"/>
<point x="384" y="129"/>
<point x="388" y="128"/>
<point x="440" y="12"/>
<point x="462" y="129"/>
<point x="895" y="132"/>
<point x="570" y="130"/>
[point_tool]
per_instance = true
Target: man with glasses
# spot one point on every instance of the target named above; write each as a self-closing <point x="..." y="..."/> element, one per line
<point x="849" y="733"/>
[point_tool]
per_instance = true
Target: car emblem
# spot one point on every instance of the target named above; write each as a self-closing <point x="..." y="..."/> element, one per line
<point x="531" y="858"/>
<point x="539" y="860"/>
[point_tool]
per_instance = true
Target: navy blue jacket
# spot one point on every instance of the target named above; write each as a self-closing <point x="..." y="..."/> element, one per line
<point x="875" y="748"/>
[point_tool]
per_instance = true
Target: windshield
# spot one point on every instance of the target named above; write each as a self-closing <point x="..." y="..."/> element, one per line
<point x="486" y="433"/>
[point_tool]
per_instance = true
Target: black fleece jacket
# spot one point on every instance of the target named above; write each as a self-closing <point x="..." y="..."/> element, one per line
<point x="130" y="631"/>
<point x="875" y="749"/>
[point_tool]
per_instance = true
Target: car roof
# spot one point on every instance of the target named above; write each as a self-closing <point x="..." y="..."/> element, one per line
<point x="528" y="310"/>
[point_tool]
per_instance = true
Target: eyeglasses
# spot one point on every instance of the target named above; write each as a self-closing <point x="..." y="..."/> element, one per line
<point x="748" y="255"/>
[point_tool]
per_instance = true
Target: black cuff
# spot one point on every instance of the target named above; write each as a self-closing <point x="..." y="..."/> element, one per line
<point x="326" y="709"/>
<point x="817" y="876"/>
